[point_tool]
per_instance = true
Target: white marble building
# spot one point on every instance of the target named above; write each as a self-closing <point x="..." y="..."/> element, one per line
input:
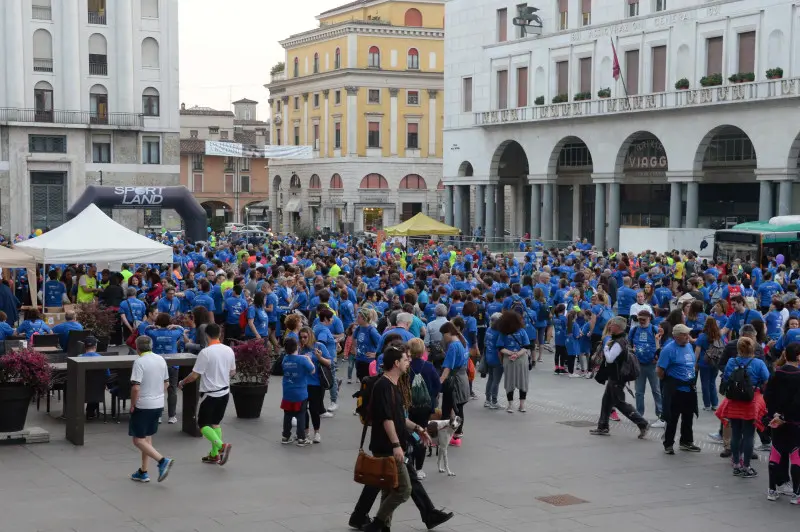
<point x="527" y="112"/>
<point x="88" y="88"/>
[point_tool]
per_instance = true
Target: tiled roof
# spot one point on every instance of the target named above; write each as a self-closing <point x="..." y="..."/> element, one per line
<point x="205" y="111"/>
<point x="244" y="137"/>
<point x="245" y="100"/>
<point x="345" y="6"/>
<point x="238" y="122"/>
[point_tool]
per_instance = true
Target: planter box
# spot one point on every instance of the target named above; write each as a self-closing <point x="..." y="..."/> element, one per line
<point x="248" y="399"/>
<point x="14" y="402"/>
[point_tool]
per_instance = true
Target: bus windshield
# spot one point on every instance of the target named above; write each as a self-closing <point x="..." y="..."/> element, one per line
<point x="728" y="251"/>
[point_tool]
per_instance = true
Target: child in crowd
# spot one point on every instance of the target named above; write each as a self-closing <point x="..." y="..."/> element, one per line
<point x="349" y="352"/>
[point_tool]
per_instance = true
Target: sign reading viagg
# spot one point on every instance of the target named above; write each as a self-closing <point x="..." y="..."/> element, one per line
<point x="140" y="195"/>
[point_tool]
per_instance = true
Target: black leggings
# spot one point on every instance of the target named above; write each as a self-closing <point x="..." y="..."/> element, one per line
<point x="420" y="416"/>
<point x="362" y="370"/>
<point x="315" y="406"/>
<point x="563" y="359"/>
<point x="784" y="458"/>
<point x="448" y="406"/>
<point x="522" y="395"/>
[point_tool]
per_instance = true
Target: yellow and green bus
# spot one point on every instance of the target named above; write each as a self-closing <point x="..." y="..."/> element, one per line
<point x="759" y="241"/>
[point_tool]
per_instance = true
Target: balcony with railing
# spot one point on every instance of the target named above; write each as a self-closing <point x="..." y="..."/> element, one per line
<point x="278" y="76"/>
<point x="41" y="13"/>
<point x="11" y="114"/>
<point x="97" y="17"/>
<point x="771" y="89"/>
<point x="98" y="68"/>
<point x="42" y="65"/>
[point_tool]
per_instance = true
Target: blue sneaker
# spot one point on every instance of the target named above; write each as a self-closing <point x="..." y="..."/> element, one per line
<point x="163" y="468"/>
<point x="140" y="476"/>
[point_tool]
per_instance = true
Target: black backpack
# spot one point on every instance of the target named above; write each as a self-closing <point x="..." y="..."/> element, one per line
<point x="629" y="368"/>
<point x="518" y="306"/>
<point x="363" y="396"/>
<point x="739" y="387"/>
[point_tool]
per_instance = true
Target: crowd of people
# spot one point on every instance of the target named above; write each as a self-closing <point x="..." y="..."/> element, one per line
<point x="420" y="320"/>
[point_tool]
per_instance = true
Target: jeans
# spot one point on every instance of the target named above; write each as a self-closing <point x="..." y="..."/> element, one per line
<point x="172" y="393"/>
<point x="495" y="373"/>
<point x="301" y="421"/>
<point x="681" y="408"/>
<point x="742" y="432"/>
<point x="648" y="374"/>
<point x="614" y="397"/>
<point x="351" y="364"/>
<point x="335" y="388"/>
<point x="708" y="382"/>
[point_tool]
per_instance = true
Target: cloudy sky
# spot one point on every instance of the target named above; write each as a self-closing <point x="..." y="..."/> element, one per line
<point x="227" y="48"/>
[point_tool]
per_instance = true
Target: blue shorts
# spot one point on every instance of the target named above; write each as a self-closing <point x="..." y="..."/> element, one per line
<point x="144" y="422"/>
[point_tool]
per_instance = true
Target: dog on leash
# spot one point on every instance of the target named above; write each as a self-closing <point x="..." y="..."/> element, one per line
<point x="441" y="432"/>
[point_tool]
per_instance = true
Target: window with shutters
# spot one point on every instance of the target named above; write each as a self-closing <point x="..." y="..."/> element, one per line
<point x="316" y="63"/>
<point x="150" y="53"/>
<point x="48" y="199"/>
<point x="563" y="14"/>
<point x="316" y="100"/>
<point x="296" y="135"/>
<point x="337" y="59"/>
<point x="586" y="74"/>
<point x="562" y="77"/>
<point x="502" y="25"/>
<point x="747" y="52"/>
<point x="374" y="181"/>
<point x="713" y="56"/>
<point x="197" y="182"/>
<point x="316" y="137"/>
<point x="586" y="12"/>
<point x="661" y="5"/>
<point x="337" y="135"/>
<point x="244" y="164"/>
<point x="337" y="97"/>
<point x="413" y="59"/>
<point x="244" y="183"/>
<point x="151" y="102"/>
<point x="42" y="51"/>
<point x="374" y="57"/>
<point x="632" y="71"/>
<point x="412" y="137"/>
<point x="296" y="103"/>
<point x="101" y="148"/>
<point x="633" y="8"/>
<point x="47" y="143"/>
<point x="659" y="62"/>
<point x="413" y="182"/>
<point x="467" y="95"/>
<point x="522" y="87"/>
<point x="296" y="67"/>
<point x="502" y="89"/>
<point x="374" y="135"/>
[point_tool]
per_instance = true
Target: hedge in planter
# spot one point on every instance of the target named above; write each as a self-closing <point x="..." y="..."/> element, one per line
<point x="775" y="73"/>
<point x="561" y="98"/>
<point x="604" y="93"/>
<point x="711" y="80"/>
<point x="250" y="383"/>
<point x="682" y="84"/>
<point x="21" y="374"/>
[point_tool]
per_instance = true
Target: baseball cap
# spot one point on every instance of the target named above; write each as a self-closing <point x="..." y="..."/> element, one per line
<point x="90" y="341"/>
<point x="681" y="329"/>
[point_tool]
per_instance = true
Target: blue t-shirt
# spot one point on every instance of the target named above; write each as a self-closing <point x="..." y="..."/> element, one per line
<point x="165" y="341"/>
<point x="456" y="356"/>
<point x="6" y="330"/>
<point x="492" y="339"/>
<point x="470" y="331"/>
<point x="260" y="321"/>
<point x="773" y="321"/>
<point x="312" y="379"/>
<point x="517" y="341"/>
<point x="54" y="293"/>
<point x="29" y="328"/>
<point x="205" y="300"/>
<point x="625" y="298"/>
<point x="756" y="368"/>
<point x="643" y="340"/>
<point x="133" y="309"/>
<point x="325" y="337"/>
<point x="678" y="362"/>
<point x="404" y="334"/>
<point x="560" y="328"/>
<point x="296" y="370"/>
<point x="170" y="307"/>
<point x="63" y="329"/>
<point x="573" y="340"/>
<point x="272" y="299"/>
<point x="367" y="340"/>
<point x="766" y="290"/>
<point x="736" y="320"/>
<point x="347" y="312"/>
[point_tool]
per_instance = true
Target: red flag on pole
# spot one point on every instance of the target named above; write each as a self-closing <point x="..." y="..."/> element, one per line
<point x="615" y="68"/>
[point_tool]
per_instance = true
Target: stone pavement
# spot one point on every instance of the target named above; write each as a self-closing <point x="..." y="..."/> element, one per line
<point x="506" y="464"/>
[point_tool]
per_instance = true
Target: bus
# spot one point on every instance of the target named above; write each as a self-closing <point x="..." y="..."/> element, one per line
<point x="759" y="241"/>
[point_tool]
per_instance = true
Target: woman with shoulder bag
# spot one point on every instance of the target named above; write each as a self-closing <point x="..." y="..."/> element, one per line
<point x="455" y="389"/>
<point x="514" y="353"/>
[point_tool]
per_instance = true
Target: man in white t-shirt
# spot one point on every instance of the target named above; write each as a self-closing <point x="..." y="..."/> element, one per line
<point x="149" y="381"/>
<point x="215" y="366"/>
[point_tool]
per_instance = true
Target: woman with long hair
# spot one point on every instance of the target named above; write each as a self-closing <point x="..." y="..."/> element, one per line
<point x="316" y="393"/>
<point x="455" y="389"/>
<point x="709" y="338"/>
<point x="514" y="353"/>
<point x="539" y="305"/>
<point x="696" y="318"/>
<point x="257" y="319"/>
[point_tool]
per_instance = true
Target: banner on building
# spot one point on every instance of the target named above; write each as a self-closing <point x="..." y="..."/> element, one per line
<point x="252" y="151"/>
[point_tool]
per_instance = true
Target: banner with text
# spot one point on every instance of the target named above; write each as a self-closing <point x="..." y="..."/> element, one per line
<point x="252" y="151"/>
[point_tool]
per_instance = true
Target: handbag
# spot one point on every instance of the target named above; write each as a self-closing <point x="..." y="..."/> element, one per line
<point x="379" y="473"/>
<point x="277" y="366"/>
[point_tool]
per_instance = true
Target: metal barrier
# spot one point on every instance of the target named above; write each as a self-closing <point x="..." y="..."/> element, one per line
<point x="496" y="245"/>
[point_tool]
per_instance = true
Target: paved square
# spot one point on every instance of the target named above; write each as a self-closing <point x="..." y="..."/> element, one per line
<point x="506" y="464"/>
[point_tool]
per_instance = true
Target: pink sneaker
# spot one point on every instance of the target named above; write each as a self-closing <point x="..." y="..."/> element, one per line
<point x="455" y="442"/>
<point x="614" y="416"/>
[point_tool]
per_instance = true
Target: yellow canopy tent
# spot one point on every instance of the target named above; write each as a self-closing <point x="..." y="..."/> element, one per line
<point x="421" y="225"/>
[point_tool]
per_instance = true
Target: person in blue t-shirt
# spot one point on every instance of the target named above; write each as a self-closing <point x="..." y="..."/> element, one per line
<point x="204" y="299"/>
<point x="63" y="329"/>
<point x="166" y="338"/>
<point x="676" y="367"/>
<point x="710" y="337"/>
<point x="257" y="318"/>
<point x="319" y="355"/>
<point x="645" y="340"/>
<point x="328" y="337"/>
<point x="33" y="324"/>
<point x="766" y="291"/>
<point x="6" y="330"/>
<point x="491" y="341"/>
<point x="456" y="360"/>
<point x="235" y="305"/>
<point x="564" y="363"/>
<point x="271" y="304"/>
<point x="741" y="315"/>
<point x="294" y="402"/>
<point x="55" y="293"/>
<point x="169" y="303"/>
<point x="132" y="310"/>
<point x="367" y="339"/>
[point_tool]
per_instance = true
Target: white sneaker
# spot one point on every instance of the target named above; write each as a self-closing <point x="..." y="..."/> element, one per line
<point x="510" y="408"/>
<point x="786" y="489"/>
<point x="172" y="420"/>
<point x="575" y="376"/>
<point x="317" y="437"/>
<point x="349" y="381"/>
<point x="658" y="424"/>
<point x="327" y="414"/>
<point x="487" y="404"/>
<point x="773" y="495"/>
<point x="159" y="421"/>
<point x="589" y="376"/>
<point x="355" y="413"/>
<point x="333" y="407"/>
<point x="421" y="474"/>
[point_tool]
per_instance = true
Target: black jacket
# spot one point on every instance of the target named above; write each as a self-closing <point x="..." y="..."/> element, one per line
<point x="783" y="393"/>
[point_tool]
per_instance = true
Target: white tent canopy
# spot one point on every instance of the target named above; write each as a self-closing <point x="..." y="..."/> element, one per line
<point x="15" y="258"/>
<point x="92" y="237"/>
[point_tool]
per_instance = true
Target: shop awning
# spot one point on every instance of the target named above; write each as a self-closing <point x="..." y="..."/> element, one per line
<point x="293" y="205"/>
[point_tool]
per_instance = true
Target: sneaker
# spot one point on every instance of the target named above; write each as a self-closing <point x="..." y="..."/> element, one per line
<point x="737" y="471"/>
<point x="420" y="474"/>
<point x="764" y="447"/>
<point x="510" y="408"/>
<point x="213" y="460"/>
<point x="159" y="421"/>
<point x="224" y="453"/>
<point x="436" y="518"/>
<point x="473" y="396"/>
<point x="749" y="472"/>
<point x="689" y="447"/>
<point x="589" y="376"/>
<point x="140" y="476"/>
<point x="716" y="436"/>
<point x="349" y="381"/>
<point x="773" y="495"/>
<point x="726" y="453"/>
<point x="333" y="406"/>
<point x="172" y="420"/>
<point x="359" y="523"/>
<point x="658" y="424"/>
<point x="713" y="408"/>
<point x="599" y="432"/>
<point x="494" y="406"/>
<point x="163" y="468"/>
<point x="287" y="441"/>
<point x="317" y="437"/>
<point x="557" y="371"/>
<point x="355" y="413"/>
<point x="614" y="416"/>
<point x="575" y="376"/>
<point x="706" y="409"/>
<point x="305" y="442"/>
<point x="522" y="407"/>
<point x="669" y="450"/>
<point x="795" y="499"/>
<point x="455" y="442"/>
<point x="487" y="404"/>
<point x="643" y="431"/>
<point x="326" y="414"/>
<point x="785" y="489"/>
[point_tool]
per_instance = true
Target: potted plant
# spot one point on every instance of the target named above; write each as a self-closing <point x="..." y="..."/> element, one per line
<point x="249" y="384"/>
<point x="21" y="374"/>
<point x="561" y="98"/>
<point x="682" y="84"/>
<point x="736" y="78"/>
<point x="96" y="318"/>
<point x="580" y="96"/>
<point x="775" y="73"/>
<point x="539" y="100"/>
<point x="604" y="93"/>
<point x="742" y="77"/>
<point x="712" y="80"/>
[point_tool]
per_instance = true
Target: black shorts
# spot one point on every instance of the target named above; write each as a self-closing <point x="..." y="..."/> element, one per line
<point x="211" y="410"/>
<point x="232" y="331"/>
<point x="144" y="422"/>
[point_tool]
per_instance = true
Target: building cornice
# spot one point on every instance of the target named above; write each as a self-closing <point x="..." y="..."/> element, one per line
<point x="401" y="77"/>
<point x="342" y="29"/>
<point x="357" y="6"/>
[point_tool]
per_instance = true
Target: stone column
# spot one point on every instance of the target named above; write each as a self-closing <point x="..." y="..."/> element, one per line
<point x="458" y="209"/>
<point x="480" y="207"/>
<point x="123" y="28"/>
<point x="600" y="215"/>
<point x="765" y="201"/>
<point x="675" y="205"/>
<point x="576" y="211"/>
<point x="547" y="211"/>
<point x="352" y="118"/>
<point x="465" y="210"/>
<point x="536" y="210"/>
<point x="393" y="126"/>
<point x="432" y="122"/>
<point x="490" y="211"/>
<point x="519" y="208"/>
<point x="692" y="203"/>
<point x="285" y="123"/>
<point x="448" y="205"/>
<point x="500" y="212"/>
<point x="613" y="215"/>
<point x="784" y="198"/>
<point x="326" y="148"/>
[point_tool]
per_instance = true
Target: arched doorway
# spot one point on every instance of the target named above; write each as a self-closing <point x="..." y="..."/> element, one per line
<point x="373" y="214"/>
<point x="510" y="206"/>
<point x="573" y="193"/>
<point x="294" y="204"/>
<point x="218" y="213"/>
<point x="729" y="193"/>
<point x="644" y="163"/>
